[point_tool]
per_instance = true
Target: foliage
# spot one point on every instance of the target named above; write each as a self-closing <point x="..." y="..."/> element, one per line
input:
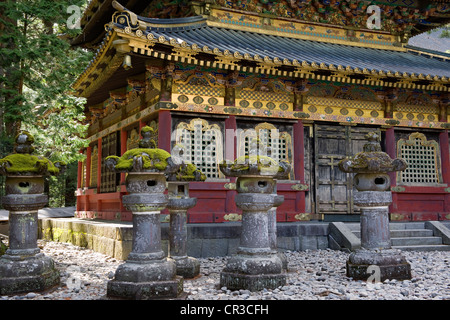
<point x="3" y="248"/>
<point x="37" y="65"/>
<point x="445" y="33"/>
<point x="37" y="68"/>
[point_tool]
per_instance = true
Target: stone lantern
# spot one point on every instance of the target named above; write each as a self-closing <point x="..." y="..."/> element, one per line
<point x="23" y="268"/>
<point x="272" y="220"/>
<point x="373" y="197"/>
<point x="256" y="265"/>
<point x="179" y="203"/>
<point x="147" y="273"/>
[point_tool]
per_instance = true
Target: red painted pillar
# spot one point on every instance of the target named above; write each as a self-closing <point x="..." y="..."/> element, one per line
<point x="165" y="130"/>
<point x="299" y="164"/>
<point x="231" y="154"/>
<point x="88" y="167"/>
<point x="99" y="164"/>
<point x="141" y="125"/>
<point x="123" y="149"/>
<point x="445" y="156"/>
<point x="80" y="172"/>
<point x="87" y="182"/>
<point x="445" y="166"/>
<point x="392" y="152"/>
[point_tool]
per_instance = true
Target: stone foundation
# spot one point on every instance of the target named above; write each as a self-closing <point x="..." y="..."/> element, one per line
<point x="236" y="281"/>
<point x="204" y="239"/>
<point x="151" y="290"/>
<point x="36" y="273"/>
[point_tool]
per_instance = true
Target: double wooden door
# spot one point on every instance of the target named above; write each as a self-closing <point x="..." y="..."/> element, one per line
<point x="331" y="190"/>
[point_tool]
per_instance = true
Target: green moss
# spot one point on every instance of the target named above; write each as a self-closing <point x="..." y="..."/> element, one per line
<point x="151" y="159"/>
<point x="3" y="248"/>
<point x="188" y="172"/>
<point x="263" y="162"/>
<point x="147" y="129"/>
<point x="26" y="163"/>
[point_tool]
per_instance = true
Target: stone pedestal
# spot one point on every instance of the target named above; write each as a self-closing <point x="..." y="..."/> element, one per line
<point x="375" y="241"/>
<point x="179" y="203"/>
<point x="23" y="268"/>
<point x="272" y="219"/>
<point x="147" y="273"/>
<point x="256" y="265"/>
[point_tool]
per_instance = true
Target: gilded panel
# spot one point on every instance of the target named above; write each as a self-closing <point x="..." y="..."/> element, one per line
<point x="344" y="103"/>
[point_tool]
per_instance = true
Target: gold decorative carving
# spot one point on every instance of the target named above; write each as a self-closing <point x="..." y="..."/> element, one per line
<point x="230" y="186"/>
<point x="300" y="187"/>
<point x="303" y="216"/>
<point x="232" y="217"/>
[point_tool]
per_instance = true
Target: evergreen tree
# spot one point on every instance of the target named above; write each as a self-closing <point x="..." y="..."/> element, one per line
<point x="37" y="68"/>
<point x="37" y="65"/>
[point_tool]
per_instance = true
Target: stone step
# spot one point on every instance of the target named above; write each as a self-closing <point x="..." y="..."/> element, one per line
<point x="405" y="233"/>
<point x="441" y="247"/>
<point x="413" y="241"/>
<point x="408" y="225"/>
<point x="411" y="233"/>
<point x="392" y="226"/>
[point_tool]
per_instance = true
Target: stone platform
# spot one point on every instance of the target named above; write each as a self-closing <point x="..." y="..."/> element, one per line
<point x="204" y="239"/>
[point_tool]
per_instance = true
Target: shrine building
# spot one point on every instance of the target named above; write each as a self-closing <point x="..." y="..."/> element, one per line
<point x="309" y="79"/>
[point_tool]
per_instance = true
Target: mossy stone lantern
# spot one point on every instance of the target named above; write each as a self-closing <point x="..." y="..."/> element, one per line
<point x="374" y="197"/>
<point x="179" y="204"/>
<point x="23" y="268"/>
<point x="256" y="265"/>
<point x="147" y="273"/>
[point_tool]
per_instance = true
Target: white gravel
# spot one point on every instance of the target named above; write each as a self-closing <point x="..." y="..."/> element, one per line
<point x="314" y="275"/>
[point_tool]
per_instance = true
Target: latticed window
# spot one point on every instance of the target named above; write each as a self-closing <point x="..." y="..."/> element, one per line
<point x="423" y="160"/>
<point x="110" y="147"/>
<point x="201" y="145"/>
<point x="272" y="142"/>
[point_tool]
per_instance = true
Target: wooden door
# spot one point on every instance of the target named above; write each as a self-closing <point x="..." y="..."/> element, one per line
<point x="333" y="188"/>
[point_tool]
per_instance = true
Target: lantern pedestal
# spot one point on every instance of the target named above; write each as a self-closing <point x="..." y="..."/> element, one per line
<point x="24" y="268"/>
<point x="147" y="273"/>
<point x="375" y="242"/>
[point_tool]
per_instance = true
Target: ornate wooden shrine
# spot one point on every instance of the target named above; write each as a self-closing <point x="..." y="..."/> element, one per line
<point x="309" y="79"/>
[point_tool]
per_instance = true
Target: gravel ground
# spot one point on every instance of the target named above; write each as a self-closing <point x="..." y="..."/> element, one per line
<point x="313" y="275"/>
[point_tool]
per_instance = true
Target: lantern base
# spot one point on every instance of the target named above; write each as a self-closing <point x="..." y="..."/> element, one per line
<point x="152" y="290"/>
<point x="378" y="265"/>
<point x="146" y="280"/>
<point x="187" y="267"/>
<point x="237" y="281"/>
<point x="30" y="274"/>
<point x="253" y="272"/>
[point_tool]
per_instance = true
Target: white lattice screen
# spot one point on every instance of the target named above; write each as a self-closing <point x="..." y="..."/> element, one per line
<point x="269" y="137"/>
<point x="422" y="157"/>
<point x="202" y="146"/>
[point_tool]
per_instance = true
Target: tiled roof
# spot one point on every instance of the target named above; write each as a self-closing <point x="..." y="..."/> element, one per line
<point x="253" y="44"/>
